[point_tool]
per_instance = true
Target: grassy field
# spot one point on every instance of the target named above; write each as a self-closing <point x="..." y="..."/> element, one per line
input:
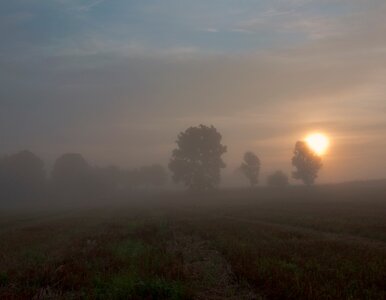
<point x="324" y="242"/>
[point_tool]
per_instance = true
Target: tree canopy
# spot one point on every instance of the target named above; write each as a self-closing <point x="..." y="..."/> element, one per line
<point x="251" y="167"/>
<point x="22" y="176"/>
<point x="197" y="161"/>
<point x="306" y="162"/>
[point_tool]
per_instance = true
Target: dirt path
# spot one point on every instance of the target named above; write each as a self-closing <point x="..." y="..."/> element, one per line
<point x="208" y="271"/>
<point x="308" y="231"/>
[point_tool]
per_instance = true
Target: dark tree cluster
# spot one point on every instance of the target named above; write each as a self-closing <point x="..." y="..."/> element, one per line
<point x="196" y="162"/>
<point x="23" y="177"/>
<point x="72" y="173"/>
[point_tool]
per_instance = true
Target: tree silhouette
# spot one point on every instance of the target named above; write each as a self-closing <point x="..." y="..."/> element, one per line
<point x="251" y="167"/>
<point x="22" y="176"/>
<point x="277" y="179"/>
<point x="73" y="176"/>
<point x="197" y="161"/>
<point x="70" y="167"/>
<point x="306" y="162"/>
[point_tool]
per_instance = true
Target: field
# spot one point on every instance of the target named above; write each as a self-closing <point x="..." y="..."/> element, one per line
<point x="326" y="242"/>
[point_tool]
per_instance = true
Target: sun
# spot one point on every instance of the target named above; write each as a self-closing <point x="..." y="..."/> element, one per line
<point x="318" y="143"/>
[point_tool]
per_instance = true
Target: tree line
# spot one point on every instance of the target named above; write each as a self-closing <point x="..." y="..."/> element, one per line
<point x="23" y="177"/>
<point x="196" y="162"/>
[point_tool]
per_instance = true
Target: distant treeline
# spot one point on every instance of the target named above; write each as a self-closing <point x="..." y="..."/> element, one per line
<point x="196" y="163"/>
<point x="23" y="176"/>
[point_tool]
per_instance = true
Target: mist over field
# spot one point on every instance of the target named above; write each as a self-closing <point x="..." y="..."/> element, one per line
<point x="183" y="149"/>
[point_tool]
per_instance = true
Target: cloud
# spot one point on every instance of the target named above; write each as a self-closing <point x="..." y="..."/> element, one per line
<point x="87" y="7"/>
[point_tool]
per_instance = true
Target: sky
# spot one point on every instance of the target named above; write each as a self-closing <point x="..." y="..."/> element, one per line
<point x="117" y="80"/>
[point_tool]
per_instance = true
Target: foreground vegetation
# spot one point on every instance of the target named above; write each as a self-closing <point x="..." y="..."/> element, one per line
<point x="296" y="243"/>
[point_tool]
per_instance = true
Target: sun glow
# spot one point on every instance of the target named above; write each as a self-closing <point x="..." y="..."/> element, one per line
<point x="318" y="143"/>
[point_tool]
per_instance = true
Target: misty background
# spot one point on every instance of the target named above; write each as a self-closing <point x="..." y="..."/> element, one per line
<point x="117" y="80"/>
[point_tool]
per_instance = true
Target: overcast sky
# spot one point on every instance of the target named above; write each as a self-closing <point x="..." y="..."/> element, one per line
<point x="116" y="80"/>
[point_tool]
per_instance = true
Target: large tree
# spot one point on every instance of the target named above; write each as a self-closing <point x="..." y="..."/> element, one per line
<point x="306" y="162"/>
<point x="197" y="161"/>
<point x="251" y="167"/>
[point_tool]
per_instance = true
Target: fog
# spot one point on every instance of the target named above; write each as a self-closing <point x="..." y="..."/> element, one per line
<point x="196" y="149"/>
<point x="119" y="95"/>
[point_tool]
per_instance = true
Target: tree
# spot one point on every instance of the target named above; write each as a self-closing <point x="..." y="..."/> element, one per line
<point x="277" y="179"/>
<point x="73" y="176"/>
<point x="197" y="161"/>
<point x="70" y="167"/>
<point x="306" y="162"/>
<point x="251" y="167"/>
<point x="22" y="176"/>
